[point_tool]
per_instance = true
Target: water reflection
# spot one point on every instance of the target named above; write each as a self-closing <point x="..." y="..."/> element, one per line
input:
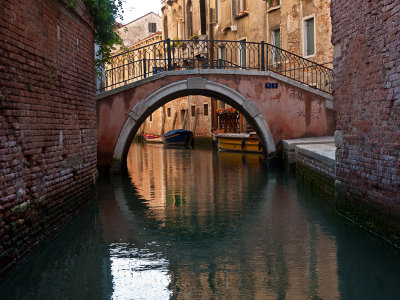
<point x="235" y="231"/>
<point x="137" y="273"/>
<point x="189" y="224"/>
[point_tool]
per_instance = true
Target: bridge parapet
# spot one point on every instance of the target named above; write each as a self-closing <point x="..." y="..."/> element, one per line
<point x="168" y="55"/>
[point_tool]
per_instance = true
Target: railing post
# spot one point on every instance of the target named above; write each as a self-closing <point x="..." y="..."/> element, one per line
<point x="169" y="54"/>
<point x="266" y="66"/>
<point x="262" y="56"/>
<point x="144" y="67"/>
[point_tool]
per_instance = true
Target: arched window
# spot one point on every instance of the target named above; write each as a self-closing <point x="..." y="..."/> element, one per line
<point x="189" y="14"/>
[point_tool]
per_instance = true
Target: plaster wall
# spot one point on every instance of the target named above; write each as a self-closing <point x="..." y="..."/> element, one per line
<point x="139" y="29"/>
<point x="289" y="111"/>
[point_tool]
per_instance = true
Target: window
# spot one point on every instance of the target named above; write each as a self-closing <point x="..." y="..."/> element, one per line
<point x="193" y="110"/>
<point x="169" y="112"/>
<point x="189" y="19"/>
<point x="242" y="53"/>
<point x="274" y="3"/>
<point x="276" y="41"/>
<point x="206" y="109"/>
<point x="218" y="10"/>
<point x="221" y="57"/>
<point x="309" y="37"/>
<point x="183" y="115"/>
<point x="151" y="117"/>
<point x="152" y="27"/>
<point x="203" y="24"/>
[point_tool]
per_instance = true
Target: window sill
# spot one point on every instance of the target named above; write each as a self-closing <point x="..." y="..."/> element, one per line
<point x="273" y="8"/>
<point x="242" y="14"/>
<point x="309" y="56"/>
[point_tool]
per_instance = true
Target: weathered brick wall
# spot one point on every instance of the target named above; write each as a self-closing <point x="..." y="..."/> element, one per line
<point x="367" y="102"/>
<point x="47" y="119"/>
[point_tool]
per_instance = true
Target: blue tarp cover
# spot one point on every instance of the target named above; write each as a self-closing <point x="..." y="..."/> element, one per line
<point x="174" y="132"/>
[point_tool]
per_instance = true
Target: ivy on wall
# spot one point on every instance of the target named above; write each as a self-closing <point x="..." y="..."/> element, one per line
<point x="104" y="14"/>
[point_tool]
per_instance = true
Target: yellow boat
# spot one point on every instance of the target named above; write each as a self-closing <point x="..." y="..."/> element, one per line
<point x="240" y="142"/>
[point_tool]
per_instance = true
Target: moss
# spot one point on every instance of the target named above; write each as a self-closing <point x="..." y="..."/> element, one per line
<point x="319" y="183"/>
<point x="369" y="216"/>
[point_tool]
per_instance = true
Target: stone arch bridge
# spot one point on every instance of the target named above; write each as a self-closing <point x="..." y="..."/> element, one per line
<point x="277" y="106"/>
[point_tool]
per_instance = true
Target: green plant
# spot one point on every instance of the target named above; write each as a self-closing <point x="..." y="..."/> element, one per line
<point x="104" y="14"/>
<point x="194" y="37"/>
<point x="177" y="43"/>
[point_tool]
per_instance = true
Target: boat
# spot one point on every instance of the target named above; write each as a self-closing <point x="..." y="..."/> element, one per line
<point x="240" y="142"/>
<point x="152" y="138"/>
<point x="178" y="137"/>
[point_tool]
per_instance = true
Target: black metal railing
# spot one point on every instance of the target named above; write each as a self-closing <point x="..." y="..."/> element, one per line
<point x="170" y="55"/>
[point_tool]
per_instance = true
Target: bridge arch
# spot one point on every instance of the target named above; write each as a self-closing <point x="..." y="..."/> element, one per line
<point x="191" y="86"/>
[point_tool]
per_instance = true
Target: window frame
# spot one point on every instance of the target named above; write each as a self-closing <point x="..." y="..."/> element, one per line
<point x="221" y="57"/>
<point x="205" y="109"/>
<point x="245" y="53"/>
<point x="151" y="26"/>
<point x="304" y="38"/>
<point x="276" y="57"/>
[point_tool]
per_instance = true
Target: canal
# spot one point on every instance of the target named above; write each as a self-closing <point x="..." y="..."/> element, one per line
<point x="190" y="224"/>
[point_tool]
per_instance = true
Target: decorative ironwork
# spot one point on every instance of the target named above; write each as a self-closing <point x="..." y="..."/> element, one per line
<point x="170" y="55"/>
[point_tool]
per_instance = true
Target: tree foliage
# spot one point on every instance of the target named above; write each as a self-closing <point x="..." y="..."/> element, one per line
<point x="104" y="14"/>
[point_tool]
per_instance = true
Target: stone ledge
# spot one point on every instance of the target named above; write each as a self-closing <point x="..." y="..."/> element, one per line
<point x="289" y="146"/>
<point x="323" y="153"/>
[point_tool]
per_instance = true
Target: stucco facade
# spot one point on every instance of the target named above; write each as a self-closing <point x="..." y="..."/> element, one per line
<point x="140" y="28"/>
<point x="286" y="24"/>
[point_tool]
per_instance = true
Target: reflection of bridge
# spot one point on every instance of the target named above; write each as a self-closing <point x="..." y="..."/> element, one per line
<point x="280" y="93"/>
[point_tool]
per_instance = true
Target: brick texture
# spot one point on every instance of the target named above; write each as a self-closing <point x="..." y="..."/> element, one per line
<point x="366" y="39"/>
<point x="47" y="120"/>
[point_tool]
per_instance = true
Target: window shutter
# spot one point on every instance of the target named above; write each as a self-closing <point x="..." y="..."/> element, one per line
<point x="310" y="36"/>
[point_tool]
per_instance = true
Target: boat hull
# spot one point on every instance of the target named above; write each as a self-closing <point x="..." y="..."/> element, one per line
<point x="152" y="138"/>
<point x="178" y="137"/>
<point x="238" y="143"/>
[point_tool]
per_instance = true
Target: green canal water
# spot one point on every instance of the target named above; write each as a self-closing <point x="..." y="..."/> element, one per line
<point x="201" y="224"/>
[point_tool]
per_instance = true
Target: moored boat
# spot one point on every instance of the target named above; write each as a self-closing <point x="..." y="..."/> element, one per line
<point x="241" y="142"/>
<point x="178" y="137"/>
<point x="152" y="138"/>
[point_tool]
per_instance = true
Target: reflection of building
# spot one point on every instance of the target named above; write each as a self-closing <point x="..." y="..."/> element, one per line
<point x="216" y="200"/>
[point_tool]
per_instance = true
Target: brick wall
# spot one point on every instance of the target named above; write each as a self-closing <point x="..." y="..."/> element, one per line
<point x="367" y="102"/>
<point x="47" y="120"/>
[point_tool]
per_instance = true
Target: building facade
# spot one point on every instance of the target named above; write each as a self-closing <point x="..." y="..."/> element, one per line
<point x="299" y="26"/>
<point x="302" y="27"/>
<point x="140" y="29"/>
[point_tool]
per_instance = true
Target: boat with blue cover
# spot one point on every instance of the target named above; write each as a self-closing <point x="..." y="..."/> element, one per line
<point x="178" y="137"/>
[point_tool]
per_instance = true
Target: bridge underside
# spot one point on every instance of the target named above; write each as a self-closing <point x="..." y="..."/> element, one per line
<point x="289" y="110"/>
